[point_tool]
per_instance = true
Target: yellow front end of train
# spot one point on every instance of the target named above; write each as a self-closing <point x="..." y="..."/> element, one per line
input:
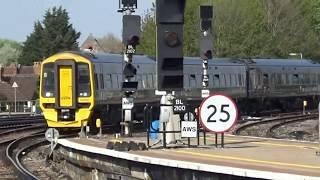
<point x="66" y="90"/>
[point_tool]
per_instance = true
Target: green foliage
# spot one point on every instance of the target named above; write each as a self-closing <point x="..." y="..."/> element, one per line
<point x="53" y="35"/>
<point x="9" y="51"/>
<point x="249" y="28"/>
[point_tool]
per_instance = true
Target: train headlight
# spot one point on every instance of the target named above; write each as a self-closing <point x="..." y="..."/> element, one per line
<point x="49" y="94"/>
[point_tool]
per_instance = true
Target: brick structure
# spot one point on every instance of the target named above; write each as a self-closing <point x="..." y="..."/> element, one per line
<point x="27" y="78"/>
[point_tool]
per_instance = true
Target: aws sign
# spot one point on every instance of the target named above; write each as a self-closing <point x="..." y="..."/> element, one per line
<point x="189" y="128"/>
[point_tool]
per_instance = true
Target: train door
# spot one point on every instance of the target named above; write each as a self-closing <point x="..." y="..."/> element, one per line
<point x="66" y="84"/>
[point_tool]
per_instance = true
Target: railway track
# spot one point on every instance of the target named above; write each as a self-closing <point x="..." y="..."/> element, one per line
<point x="16" y="151"/>
<point x="12" y="129"/>
<point x="265" y="128"/>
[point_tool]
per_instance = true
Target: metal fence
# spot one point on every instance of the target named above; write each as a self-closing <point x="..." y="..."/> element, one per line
<point x="19" y="106"/>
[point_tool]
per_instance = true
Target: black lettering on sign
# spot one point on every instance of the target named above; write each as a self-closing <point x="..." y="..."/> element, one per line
<point x="222" y="110"/>
<point x="190" y="129"/>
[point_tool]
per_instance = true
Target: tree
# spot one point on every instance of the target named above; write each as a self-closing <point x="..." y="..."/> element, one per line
<point x="249" y="28"/>
<point x="9" y="51"/>
<point x="53" y="35"/>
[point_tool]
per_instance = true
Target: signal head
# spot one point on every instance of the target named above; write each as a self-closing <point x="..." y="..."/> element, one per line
<point x="172" y="39"/>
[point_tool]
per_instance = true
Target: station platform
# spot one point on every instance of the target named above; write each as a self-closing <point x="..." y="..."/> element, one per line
<point x="241" y="156"/>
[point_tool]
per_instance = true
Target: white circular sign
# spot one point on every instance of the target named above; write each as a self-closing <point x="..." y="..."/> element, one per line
<point x="218" y="113"/>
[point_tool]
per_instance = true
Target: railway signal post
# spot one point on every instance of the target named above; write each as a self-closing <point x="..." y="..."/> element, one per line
<point x="169" y="23"/>
<point x="130" y="39"/>
<point x="205" y="46"/>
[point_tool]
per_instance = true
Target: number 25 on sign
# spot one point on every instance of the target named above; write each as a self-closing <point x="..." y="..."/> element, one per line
<point x="218" y="113"/>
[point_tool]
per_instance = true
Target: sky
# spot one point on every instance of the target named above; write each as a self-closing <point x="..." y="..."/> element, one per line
<point x="98" y="17"/>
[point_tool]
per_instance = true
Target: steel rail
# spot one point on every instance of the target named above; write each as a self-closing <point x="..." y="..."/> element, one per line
<point x="275" y="119"/>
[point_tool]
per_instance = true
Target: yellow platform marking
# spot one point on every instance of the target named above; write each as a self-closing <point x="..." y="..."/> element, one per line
<point x="248" y="160"/>
<point x="272" y="144"/>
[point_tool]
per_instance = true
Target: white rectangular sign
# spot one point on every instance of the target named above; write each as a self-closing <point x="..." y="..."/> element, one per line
<point x="127" y="103"/>
<point x="189" y="129"/>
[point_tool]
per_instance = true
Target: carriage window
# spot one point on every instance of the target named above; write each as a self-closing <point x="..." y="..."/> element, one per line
<point x="96" y="80"/>
<point x="192" y="80"/>
<point x="101" y="81"/>
<point x="48" y="80"/>
<point x="265" y="79"/>
<point x="108" y="81"/>
<point x="295" y="79"/>
<point x="115" y="84"/>
<point x="233" y="79"/>
<point x="314" y="79"/>
<point x="149" y="81"/>
<point x="144" y="81"/>
<point x="216" y="80"/>
<point x="139" y="79"/>
<point x="306" y="78"/>
<point x="83" y="80"/>
<point x="240" y="80"/>
<point x="223" y="80"/>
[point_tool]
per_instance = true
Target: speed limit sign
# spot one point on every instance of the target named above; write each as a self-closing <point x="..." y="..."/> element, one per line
<point x="218" y="113"/>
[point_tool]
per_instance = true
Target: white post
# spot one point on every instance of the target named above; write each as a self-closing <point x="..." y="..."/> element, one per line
<point x="15" y="99"/>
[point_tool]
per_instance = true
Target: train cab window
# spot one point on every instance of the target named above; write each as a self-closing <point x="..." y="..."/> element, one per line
<point x="83" y="80"/>
<point x="192" y="80"/>
<point x="48" y="79"/>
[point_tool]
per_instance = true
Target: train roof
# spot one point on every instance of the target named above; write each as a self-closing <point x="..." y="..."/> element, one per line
<point x="114" y="58"/>
<point x="283" y="62"/>
<point x="143" y="59"/>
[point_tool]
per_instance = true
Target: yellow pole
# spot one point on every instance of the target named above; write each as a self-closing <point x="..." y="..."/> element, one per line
<point x="98" y="125"/>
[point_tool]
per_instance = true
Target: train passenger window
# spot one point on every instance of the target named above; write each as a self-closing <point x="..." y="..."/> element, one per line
<point x="222" y="80"/>
<point x="265" y="80"/>
<point x="96" y="80"/>
<point x="301" y="79"/>
<point x="233" y="79"/>
<point x="144" y="81"/>
<point x="227" y="78"/>
<point x="48" y="79"/>
<point x="314" y="79"/>
<point x="192" y="81"/>
<point x="283" y="79"/>
<point x="83" y="80"/>
<point x="101" y="81"/>
<point x="240" y="80"/>
<point x="278" y="79"/>
<point x="108" y="81"/>
<point x="295" y="79"/>
<point x="139" y="79"/>
<point x="114" y="81"/>
<point x="306" y="78"/>
<point x="149" y="81"/>
<point x="216" y="80"/>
